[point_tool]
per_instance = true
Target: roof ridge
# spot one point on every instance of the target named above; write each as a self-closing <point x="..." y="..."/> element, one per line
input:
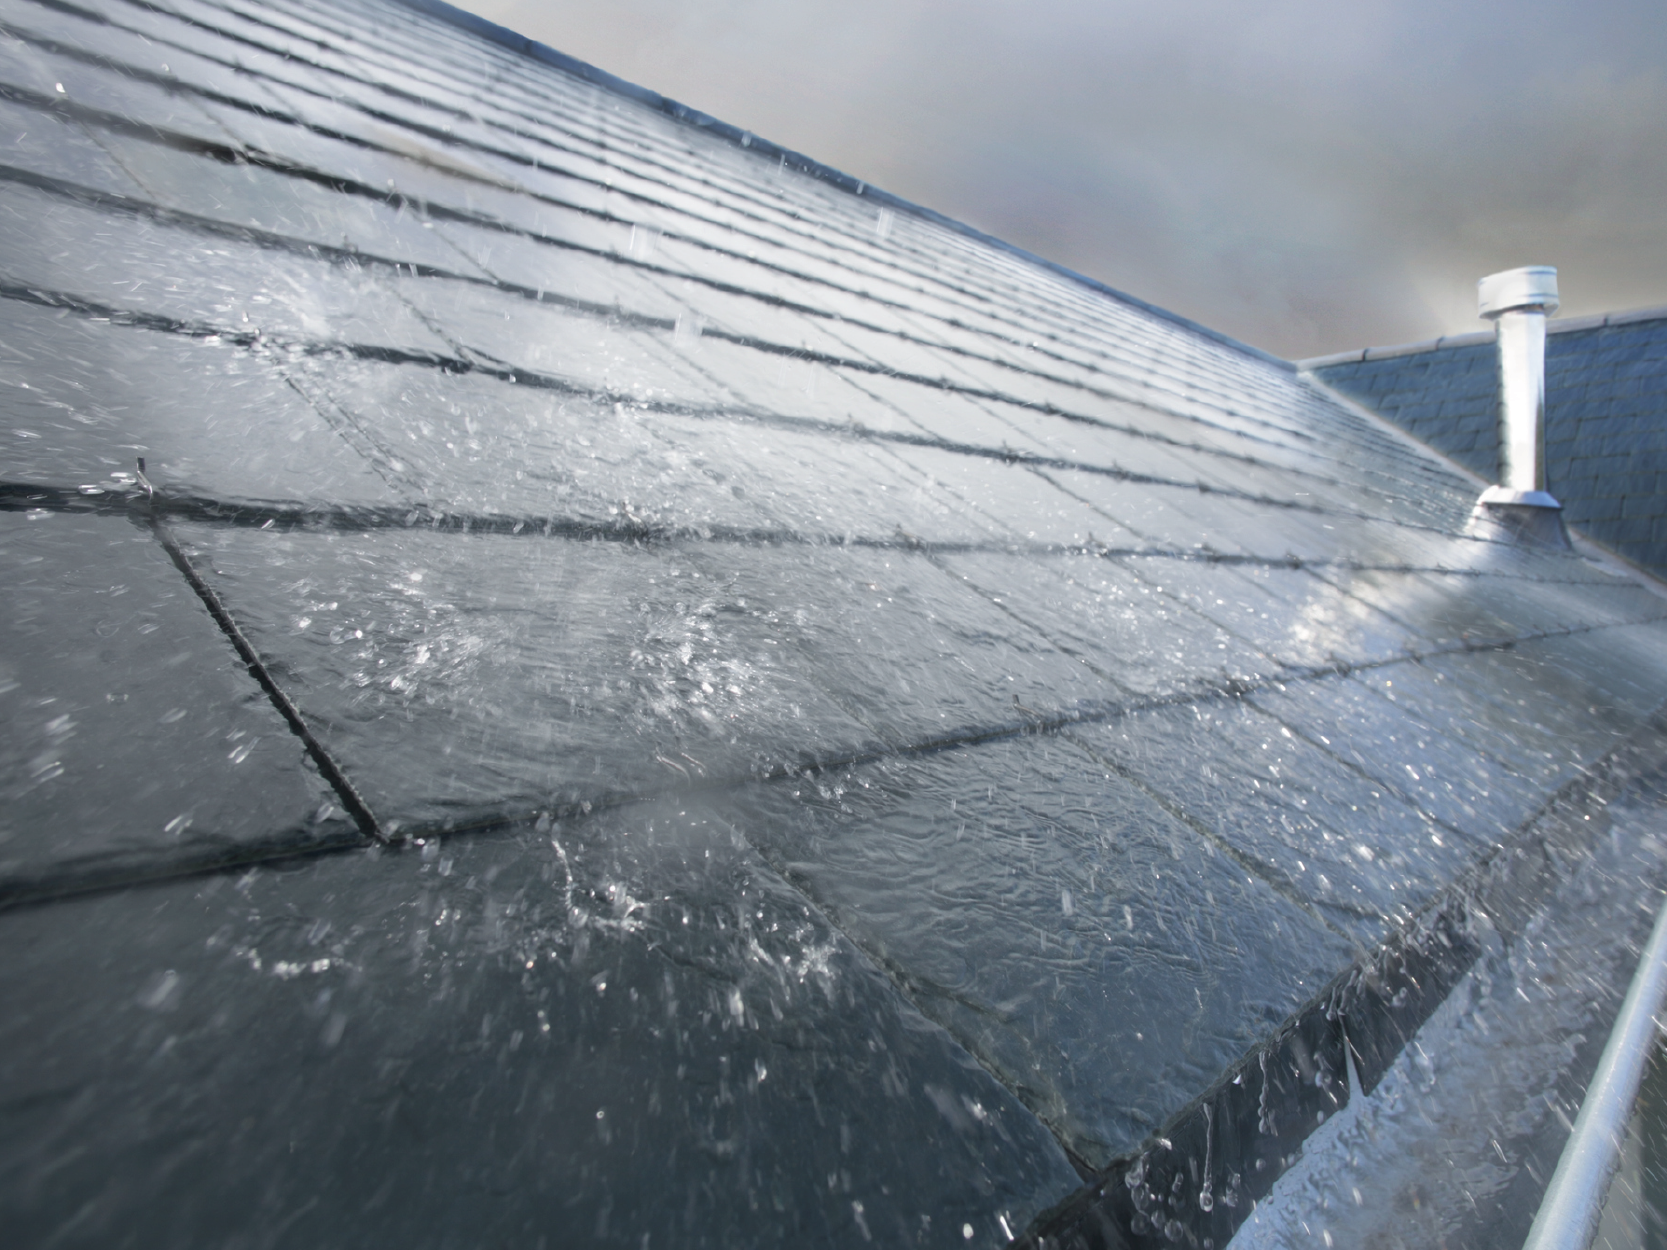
<point x="1597" y="321"/>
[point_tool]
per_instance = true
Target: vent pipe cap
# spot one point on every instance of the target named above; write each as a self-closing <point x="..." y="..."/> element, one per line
<point x="1533" y="286"/>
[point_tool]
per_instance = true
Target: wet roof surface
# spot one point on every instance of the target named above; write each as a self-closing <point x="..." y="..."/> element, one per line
<point x="660" y="700"/>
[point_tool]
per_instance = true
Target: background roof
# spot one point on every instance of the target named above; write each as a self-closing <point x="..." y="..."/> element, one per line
<point x="1606" y="449"/>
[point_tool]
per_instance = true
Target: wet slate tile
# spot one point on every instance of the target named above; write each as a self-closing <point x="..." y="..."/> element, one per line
<point x="954" y="419"/>
<point x="733" y="314"/>
<point x="1616" y="671"/>
<point x="1481" y="606"/>
<point x="802" y="390"/>
<point x="134" y="736"/>
<point x="1097" y="953"/>
<point x="1026" y="505"/>
<point x="624" y="1029"/>
<point x="1123" y="627"/>
<point x="482" y="444"/>
<point x="1139" y="443"/>
<point x="1471" y="794"/>
<point x="1160" y="516"/>
<point x="149" y="267"/>
<point x="579" y="266"/>
<point x="1301" y="620"/>
<point x="1496" y="704"/>
<point x="455" y="676"/>
<point x="81" y="397"/>
<point x="1545" y="601"/>
<point x="1352" y="850"/>
<point x="1337" y="538"/>
<point x="1438" y="608"/>
<point x="828" y="485"/>
<point x="39" y="143"/>
<point x="902" y="646"/>
<point x="295" y="209"/>
<point x="585" y="351"/>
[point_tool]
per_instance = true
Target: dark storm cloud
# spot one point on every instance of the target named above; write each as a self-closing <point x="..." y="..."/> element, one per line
<point x="1307" y="176"/>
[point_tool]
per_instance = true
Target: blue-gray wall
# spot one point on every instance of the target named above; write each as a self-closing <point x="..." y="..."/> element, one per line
<point x="1606" y="421"/>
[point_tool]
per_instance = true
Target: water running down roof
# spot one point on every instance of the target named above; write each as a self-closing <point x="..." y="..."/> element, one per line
<point x="647" y="697"/>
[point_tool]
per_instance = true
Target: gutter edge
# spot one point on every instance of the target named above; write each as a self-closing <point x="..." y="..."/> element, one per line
<point x="1569" y="1213"/>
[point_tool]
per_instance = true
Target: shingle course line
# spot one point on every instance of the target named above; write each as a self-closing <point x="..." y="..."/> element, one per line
<point x="764" y="149"/>
<point x="515" y="812"/>
<point x="255" y="235"/>
<point x="1041" y="310"/>
<point x="281" y="516"/>
<point x="927" y="274"/>
<point x="397" y="200"/>
<point x="526" y="377"/>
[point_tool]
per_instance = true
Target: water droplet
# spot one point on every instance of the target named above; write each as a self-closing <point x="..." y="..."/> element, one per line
<point x="162" y="991"/>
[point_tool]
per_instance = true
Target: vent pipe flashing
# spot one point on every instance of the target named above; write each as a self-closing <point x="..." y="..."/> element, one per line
<point x="1518" y="302"/>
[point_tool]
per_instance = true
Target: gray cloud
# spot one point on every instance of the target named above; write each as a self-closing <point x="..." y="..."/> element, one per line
<point x="1306" y="176"/>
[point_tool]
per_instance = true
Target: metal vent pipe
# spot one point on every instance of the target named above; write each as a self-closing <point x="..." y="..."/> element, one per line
<point x="1518" y="302"/>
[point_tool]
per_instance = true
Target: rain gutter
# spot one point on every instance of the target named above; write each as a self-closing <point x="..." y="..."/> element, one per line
<point x="531" y="48"/>
<point x="1569" y="1214"/>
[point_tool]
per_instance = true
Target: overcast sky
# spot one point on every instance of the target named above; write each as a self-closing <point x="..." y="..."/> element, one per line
<point x="1306" y="175"/>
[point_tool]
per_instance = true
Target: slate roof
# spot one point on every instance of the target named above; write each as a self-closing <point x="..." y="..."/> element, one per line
<point x="648" y="694"/>
<point x="1606" y="416"/>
